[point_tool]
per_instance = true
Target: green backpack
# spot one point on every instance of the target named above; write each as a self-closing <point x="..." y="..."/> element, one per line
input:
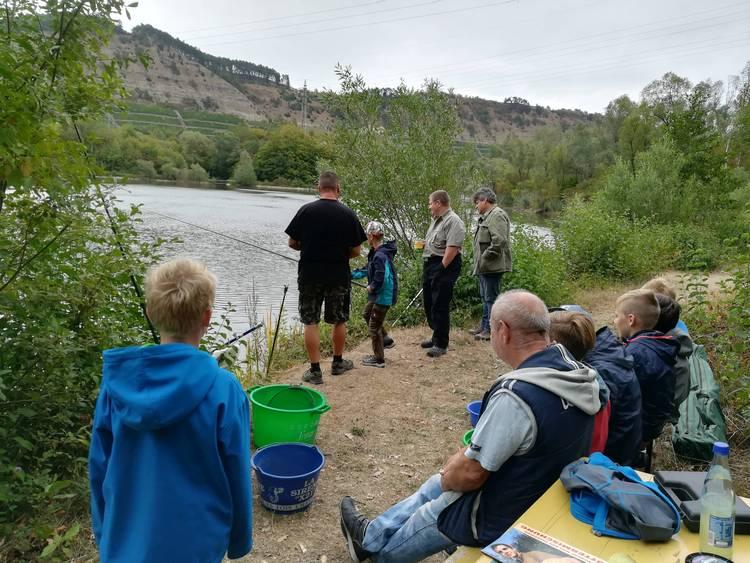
<point x="701" y="421"/>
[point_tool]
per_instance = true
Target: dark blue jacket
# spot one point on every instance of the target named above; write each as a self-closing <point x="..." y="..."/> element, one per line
<point x="169" y="461"/>
<point x="654" y="355"/>
<point x="615" y="367"/>
<point x="378" y="260"/>
<point x="563" y="435"/>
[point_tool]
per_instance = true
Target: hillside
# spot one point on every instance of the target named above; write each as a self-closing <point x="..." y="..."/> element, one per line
<point x="183" y="77"/>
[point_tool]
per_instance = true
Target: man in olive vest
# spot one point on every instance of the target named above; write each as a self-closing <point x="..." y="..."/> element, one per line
<point x="492" y="256"/>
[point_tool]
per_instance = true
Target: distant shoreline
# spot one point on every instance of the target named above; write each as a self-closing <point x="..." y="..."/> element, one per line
<point x="213" y="184"/>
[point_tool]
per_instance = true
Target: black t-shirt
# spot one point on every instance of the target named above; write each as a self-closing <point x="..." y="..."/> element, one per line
<point x="327" y="231"/>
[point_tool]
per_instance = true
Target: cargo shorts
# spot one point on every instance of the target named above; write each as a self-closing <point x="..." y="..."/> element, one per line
<point x="336" y="298"/>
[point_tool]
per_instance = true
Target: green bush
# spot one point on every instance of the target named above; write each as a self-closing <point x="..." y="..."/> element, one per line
<point x="600" y="243"/>
<point x="538" y="266"/>
<point x="244" y="173"/>
<point x="195" y="173"/>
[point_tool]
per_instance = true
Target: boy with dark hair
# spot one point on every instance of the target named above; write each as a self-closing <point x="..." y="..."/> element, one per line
<point x="382" y="290"/>
<point x="169" y="461"/>
<point x="669" y="317"/>
<point x="654" y="353"/>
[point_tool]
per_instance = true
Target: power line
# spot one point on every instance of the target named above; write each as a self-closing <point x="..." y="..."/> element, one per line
<point x="290" y="16"/>
<point x="324" y="20"/>
<point x="736" y="42"/>
<point x="367" y="24"/>
<point x="543" y="49"/>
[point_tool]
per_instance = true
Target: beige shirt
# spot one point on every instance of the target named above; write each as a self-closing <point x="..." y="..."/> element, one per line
<point x="446" y="230"/>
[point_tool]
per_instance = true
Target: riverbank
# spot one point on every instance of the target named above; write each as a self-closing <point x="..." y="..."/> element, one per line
<point x="214" y="184"/>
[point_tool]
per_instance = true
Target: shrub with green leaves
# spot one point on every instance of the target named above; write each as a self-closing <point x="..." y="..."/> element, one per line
<point x="244" y="172"/>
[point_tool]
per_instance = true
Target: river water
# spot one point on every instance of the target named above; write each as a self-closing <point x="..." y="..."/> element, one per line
<point x="248" y="278"/>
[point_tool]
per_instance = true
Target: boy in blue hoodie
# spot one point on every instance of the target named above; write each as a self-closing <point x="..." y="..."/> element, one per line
<point x="382" y="290"/>
<point x="654" y="353"/>
<point x="169" y="461"/>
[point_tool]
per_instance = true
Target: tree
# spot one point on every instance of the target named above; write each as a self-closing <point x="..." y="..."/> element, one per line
<point x="226" y="155"/>
<point x="392" y="151"/>
<point x="65" y="289"/>
<point x="290" y="153"/>
<point x="244" y="172"/>
<point x="197" y="148"/>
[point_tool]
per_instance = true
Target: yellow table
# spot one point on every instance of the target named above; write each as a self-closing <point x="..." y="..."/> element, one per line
<point x="551" y="515"/>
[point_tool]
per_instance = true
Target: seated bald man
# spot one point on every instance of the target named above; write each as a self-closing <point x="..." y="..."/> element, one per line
<point x="534" y="420"/>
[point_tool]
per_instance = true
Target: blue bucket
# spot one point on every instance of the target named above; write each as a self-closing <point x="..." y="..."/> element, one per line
<point x="473" y="409"/>
<point x="287" y="474"/>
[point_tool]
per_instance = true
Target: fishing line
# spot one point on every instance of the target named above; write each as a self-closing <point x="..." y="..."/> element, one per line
<point x="256" y="246"/>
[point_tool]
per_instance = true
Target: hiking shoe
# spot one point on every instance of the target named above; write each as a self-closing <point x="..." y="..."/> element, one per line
<point x="427" y="343"/>
<point x="475" y="331"/>
<point x="337" y="368"/>
<point x="436" y="352"/>
<point x="388" y="342"/>
<point x="313" y="376"/>
<point x="484" y="335"/>
<point x="354" y="526"/>
<point x="372" y="361"/>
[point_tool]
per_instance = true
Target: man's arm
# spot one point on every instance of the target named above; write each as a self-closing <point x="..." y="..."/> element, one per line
<point x="450" y="254"/>
<point x="462" y="474"/>
<point x="294" y="244"/>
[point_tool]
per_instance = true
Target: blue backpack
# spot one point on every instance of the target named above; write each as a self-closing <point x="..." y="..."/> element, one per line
<point x="617" y="502"/>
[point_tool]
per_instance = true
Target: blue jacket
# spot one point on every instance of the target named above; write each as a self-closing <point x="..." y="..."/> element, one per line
<point x="169" y="461"/>
<point x="615" y="366"/>
<point x="654" y="355"/>
<point x="381" y="274"/>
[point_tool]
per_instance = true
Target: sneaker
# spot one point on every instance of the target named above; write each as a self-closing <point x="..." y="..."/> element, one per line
<point x="313" y="376"/>
<point x="388" y="342"/>
<point x="372" y="361"/>
<point x="354" y="526"/>
<point x="427" y="343"/>
<point x="475" y="331"/>
<point x="484" y="335"/>
<point x="436" y="352"/>
<point x="337" y="368"/>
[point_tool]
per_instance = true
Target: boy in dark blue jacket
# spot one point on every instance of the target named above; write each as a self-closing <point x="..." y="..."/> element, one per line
<point x="169" y="461"/>
<point x="382" y="290"/>
<point x="654" y="353"/>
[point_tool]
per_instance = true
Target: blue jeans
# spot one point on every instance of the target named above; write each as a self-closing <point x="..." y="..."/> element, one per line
<point x="489" y="288"/>
<point x="408" y="530"/>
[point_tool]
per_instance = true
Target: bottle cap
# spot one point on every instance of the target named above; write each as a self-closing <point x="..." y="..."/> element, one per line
<point x="721" y="448"/>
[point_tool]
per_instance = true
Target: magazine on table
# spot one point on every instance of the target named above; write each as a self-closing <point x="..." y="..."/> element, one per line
<point x="522" y="544"/>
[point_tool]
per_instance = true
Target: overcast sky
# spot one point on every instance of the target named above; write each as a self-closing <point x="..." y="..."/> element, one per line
<point x="561" y="53"/>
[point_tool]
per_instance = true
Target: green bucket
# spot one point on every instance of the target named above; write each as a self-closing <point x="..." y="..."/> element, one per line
<point x="285" y="413"/>
<point x="467" y="437"/>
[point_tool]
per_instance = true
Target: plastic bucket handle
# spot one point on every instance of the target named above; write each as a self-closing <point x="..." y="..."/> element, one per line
<point x="293" y="386"/>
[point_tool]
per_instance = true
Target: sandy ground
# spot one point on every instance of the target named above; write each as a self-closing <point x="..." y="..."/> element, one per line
<point x="389" y="429"/>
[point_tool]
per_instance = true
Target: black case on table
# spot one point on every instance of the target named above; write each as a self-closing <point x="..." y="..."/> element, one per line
<point x="685" y="487"/>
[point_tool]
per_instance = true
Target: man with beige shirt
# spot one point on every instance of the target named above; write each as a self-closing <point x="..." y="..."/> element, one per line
<point x="442" y="266"/>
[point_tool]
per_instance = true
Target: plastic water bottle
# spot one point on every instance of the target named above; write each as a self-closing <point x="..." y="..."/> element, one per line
<point x="717" y="506"/>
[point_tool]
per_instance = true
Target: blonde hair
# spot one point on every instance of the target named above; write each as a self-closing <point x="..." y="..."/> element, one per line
<point x="660" y="285"/>
<point x="178" y="293"/>
<point x="643" y="304"/>
<point x="575" y="331"/>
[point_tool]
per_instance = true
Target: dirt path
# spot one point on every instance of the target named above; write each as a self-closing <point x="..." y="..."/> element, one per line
<point x="387" y="431"/>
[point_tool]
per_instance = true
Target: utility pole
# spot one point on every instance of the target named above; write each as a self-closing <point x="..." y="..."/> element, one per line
<point x="304" y="107"/>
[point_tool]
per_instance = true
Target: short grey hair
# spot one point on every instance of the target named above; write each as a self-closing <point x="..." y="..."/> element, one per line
<point x="522" y="311"/>
<point x="486" y="194"/>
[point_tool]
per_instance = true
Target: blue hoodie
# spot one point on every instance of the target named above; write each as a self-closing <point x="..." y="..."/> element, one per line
<point x="616" y="368"/>
<point x="381" y="274"/>
<point x="169" y="462"/>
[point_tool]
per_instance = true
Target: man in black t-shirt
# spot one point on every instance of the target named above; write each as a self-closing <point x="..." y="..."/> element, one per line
<point x="328" y="234"/>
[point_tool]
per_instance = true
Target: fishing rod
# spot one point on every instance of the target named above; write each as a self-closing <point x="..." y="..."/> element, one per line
<point x="276" y="332"/>
<point x="407" y="307"/>
<point x="235" y="239"/>
<point x="113" y="227"/>
<point x="224" y="348"/>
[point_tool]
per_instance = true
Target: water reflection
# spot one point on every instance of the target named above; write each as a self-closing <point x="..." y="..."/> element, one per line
<point x="245" y="274"/>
